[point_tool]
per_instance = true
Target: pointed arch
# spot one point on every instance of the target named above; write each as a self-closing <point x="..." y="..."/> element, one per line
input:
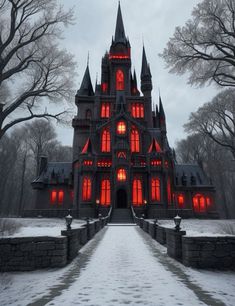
<point x="135" y="140"/>
<point x="105" y="196"/>
<point x="137" y="192"/>
<point x="120" y="80"/>
<point x="86" y="188"/>
<point x="155" y="189"/>
<point x="106" y="140"/>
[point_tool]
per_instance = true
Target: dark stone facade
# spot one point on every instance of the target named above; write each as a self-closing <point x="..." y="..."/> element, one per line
<point x="120" y="143"/>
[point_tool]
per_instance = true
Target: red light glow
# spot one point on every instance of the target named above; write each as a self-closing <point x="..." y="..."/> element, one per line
<point x="87" y="162"/>
<point x="61" y="197"/>
<point x="137" y="110"/>
<point x="155" y="189"/>
<point x="121" y="128"/>
<point x="135" y="140"/>
<point x="155" y="162"/>
<point x="119" y="80"/>
<point x="121" y="175"/>
<point x="53" y="196"/>
<point x="104" y="87"/>
<point x="105" y="198"/>
<point x="199" y="203"/>
<point x="180" y="200"/>
<point x="106" y="141"/>
<point x="105" y="110"/>
<point x="86" y="189"/>
<point x="137" y="193"/>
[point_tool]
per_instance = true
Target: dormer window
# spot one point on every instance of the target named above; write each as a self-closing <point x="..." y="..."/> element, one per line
<point x="121" y="128"/>
<point x="119" y="80"/>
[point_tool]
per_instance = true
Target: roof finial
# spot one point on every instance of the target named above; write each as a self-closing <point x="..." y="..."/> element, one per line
<point x="88" y="58"/>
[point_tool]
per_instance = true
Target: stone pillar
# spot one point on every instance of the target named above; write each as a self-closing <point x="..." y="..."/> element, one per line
<point x="174" y="243"/>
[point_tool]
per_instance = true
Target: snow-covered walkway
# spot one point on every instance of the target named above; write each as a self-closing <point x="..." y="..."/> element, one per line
<point x="121" y="266"/>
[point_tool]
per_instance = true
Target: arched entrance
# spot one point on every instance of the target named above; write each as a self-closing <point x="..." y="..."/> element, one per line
<point x="121" y="198"/>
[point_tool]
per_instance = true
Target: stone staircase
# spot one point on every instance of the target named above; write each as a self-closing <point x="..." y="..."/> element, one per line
<point x="121" y="215"/>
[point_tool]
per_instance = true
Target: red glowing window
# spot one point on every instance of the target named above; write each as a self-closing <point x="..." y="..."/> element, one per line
<point x="137" y="192"/>
<point x="104" y="87"/>
<point x="104" y="163"/>
<point x="106" y="141"/>
<point x="121" y="154"/>
<point x="180" y="200"/>
<point x="119" y="80"/>
<point x="135" y="140"/>
<point x="105" y="192"/>
<point x="53" y="196"/>
<point x="169" y="195"/>
<point x="121" y="128"/>
<point x="208" y="201"/>
<point x="86" y="189"/>
<point x="155" y="189"/>
<point x="155" y="162"/>
<point x="137" y="110"/>
<point x="121" y="175"/>
<point x="105" y="110"/>
<point x="60" y="197"/>
<point x="199" y="203"/>
<point x="87" y="162"/>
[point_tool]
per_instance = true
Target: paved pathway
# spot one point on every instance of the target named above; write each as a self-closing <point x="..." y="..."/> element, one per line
<point x="123" y="266"/>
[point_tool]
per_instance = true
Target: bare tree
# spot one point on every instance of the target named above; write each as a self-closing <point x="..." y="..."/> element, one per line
<point x="216" y="120"/>
<point x="205" y="46"/>
<point x="32" y="65"/>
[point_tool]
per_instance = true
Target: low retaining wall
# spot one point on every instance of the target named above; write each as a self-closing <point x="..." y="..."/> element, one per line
<point x="31" y="253"/>
<point x="198" y="252"/>
<point x="209" y="252"/>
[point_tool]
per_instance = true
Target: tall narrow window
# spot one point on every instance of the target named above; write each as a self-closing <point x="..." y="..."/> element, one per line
<point x="180" y="200"/>
<point x="53" y="196"/>
<point x="119" y="80"/>
<point x="105" y="110"/>
<point x="106" y="141"/>
<point x="60" y="197"/>
<point x="135" y="140"/>
<point x="121" y="175"/>
<point x="137" y="110"/>
<point x="86" y="189"/>
<point x="199" y="203"/>
<point x="155" y="189"/>
<point x="105" y="196"/>
<point x="137" y="192"/>
<point x="121" y="128"/>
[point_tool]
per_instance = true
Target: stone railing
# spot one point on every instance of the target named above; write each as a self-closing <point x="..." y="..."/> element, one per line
<point x="199" y="252"/>
<point x="31" y="253"/>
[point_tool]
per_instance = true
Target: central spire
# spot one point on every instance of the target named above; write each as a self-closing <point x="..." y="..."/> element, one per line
<point x="120" y="31"/>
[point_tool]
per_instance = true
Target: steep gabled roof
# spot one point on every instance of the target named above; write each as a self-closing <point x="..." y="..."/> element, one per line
<point x="154" y="147"/>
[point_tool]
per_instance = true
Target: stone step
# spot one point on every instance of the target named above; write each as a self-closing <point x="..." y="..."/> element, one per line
<point x="121" y="215"/>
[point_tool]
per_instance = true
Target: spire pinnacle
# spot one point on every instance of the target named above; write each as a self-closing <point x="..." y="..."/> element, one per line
<point x="145" y="70"/>
<point x="86" y="88"/>
<point x="120" y="31"/>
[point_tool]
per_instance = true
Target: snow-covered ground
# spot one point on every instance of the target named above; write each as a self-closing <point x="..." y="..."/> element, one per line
<point x="196" y="227"/>
<point x="27" y="227"/>
<point x="122" y="265"/>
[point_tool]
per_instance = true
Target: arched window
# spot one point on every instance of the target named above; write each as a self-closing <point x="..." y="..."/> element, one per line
<point x="180" y="199"/>
<point x="105" y="110"/>
<point x="86" y="189"/>
<point x="121" y="175"/>
<point x="60" y="197"/>
<point x="137" y="110"/>
<point x="137" y="192"/>
<point x="121" y="128"/>
<point x="119" y="80"/>
<point x="106" y="141"/>
<point x="135" y="140"/>
<point x="53" y="197"/>
<point x="199" y="203"/>
<point x="88" y="114"/>
<point x="105" y="197"/>
<point x="155" y="189"/>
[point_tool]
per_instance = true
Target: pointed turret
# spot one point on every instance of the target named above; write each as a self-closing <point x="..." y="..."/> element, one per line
<point x="134" y="86"/>
<point x="162" y="117"/>
<point x="120" y="31"/>
<point x="146" y="77"/>
<point x="86" y="88"/>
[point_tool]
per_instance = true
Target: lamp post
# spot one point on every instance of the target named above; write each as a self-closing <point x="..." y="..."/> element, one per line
<point x="177" y="220"/>
<point x="68" y="220"/>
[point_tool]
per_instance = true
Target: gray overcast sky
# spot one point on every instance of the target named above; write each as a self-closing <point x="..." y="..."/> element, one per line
<point x="154" y="22"/>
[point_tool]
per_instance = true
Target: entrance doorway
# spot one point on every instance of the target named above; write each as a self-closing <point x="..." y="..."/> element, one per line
<point x="121" y="199"/>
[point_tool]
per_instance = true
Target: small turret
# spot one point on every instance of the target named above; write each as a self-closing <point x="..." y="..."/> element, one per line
<point x="146" y="77"/>
<point x="134" y="86"/>
<point x="162" y="117"/>
<point x="86" y="88"/>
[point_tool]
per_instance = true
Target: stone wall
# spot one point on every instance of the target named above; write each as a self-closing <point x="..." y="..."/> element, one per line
<point x="174" y="243"/>
<point x="30" y="253"/>
<point x="209" y="252"/>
